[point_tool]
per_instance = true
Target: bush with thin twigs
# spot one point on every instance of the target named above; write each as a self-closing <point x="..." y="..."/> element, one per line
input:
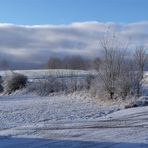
<point x="13" y="82"/>
<point x="50" y="84"/>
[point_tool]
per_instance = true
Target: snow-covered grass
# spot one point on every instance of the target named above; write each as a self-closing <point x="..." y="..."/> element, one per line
<point x="69" y="121"/>
<point x="24" y="109"/>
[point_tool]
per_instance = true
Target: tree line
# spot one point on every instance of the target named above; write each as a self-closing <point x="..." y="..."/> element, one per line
<point x="73" y="62"/>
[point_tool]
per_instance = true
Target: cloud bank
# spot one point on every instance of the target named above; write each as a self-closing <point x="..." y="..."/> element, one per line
<point x="35" y="44"/>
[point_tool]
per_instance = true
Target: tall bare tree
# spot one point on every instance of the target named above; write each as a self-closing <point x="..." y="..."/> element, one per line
<point x="54" y="63"/>
<point x="140" y="58"/>
<point x="121" y="75"/>
<point x="111" y="67"/>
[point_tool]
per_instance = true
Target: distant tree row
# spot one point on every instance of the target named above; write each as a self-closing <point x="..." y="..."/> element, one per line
<point x="4" y="65"/>
<point x="74" y="62"/>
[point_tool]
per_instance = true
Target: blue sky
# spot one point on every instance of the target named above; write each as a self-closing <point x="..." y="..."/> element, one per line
<point x="31" y="12"/>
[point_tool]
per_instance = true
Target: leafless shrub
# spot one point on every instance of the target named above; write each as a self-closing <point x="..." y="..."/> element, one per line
<point x="50" y="84"/>
<point x="13" y="82"/>
<point x="45" y="86"/>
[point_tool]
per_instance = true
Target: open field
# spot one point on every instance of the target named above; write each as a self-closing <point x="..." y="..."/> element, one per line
<point x="125" y="128"/>
<point x="32" y="74"/>
<point x="69" y="120"/>
<point x="49" y="72"/>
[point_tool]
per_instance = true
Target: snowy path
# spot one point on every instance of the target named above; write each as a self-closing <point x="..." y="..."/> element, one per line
<point x="122" y="129"/>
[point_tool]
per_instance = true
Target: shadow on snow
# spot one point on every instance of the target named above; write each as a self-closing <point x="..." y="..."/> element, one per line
<point x="13" y="142"/>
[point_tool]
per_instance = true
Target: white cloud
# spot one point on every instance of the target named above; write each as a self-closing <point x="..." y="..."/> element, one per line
<point x="39" y="42"/>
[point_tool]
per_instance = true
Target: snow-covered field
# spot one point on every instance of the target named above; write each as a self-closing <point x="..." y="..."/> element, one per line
<point x="69" y="120"/>
<point x="73" y="120"/>
<point x="16" y="110"/>
<point x="32" y="74"/>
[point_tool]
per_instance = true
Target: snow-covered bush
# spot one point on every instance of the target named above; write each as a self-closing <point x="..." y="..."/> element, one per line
<point x="45" y="86"/>
<point x="52" y="84"/>
<point x="13" y="82"/>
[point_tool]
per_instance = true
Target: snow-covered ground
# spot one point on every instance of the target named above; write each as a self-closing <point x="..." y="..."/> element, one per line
<point x="70" y="121"/>
<point x="54" y="72"/>
<point x="74" y="120"/>
<point x="51" y="72"/>
<point x="16" y="110"/>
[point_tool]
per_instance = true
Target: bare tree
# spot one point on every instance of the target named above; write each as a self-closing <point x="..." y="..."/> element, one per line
<point x="77" y="63"/>
<point x="111" y="68"/>
<point x="54" y="63"/>
<point x="4" y="65"/>
<point x="121" y="75"/>
<point x="124" y="85"/>
<point x="140" y="58"/>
